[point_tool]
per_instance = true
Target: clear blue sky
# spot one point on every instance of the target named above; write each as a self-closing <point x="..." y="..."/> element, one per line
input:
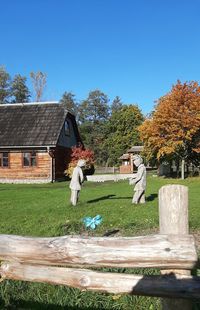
<point x="135" y="49"/>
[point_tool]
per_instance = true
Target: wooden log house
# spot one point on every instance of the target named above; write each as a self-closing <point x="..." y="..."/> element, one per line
<point x="127" y="165"/>
<point x="35" y="142"/>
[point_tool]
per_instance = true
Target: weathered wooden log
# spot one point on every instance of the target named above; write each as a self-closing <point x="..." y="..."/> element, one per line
<point x="173" y="210"/>
<point x="161" y="251"/>
<point x="173" y="217"/>
<point x="116" y="283"/>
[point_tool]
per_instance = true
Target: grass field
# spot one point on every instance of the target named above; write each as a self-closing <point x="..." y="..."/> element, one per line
<point x="44" y="210"/>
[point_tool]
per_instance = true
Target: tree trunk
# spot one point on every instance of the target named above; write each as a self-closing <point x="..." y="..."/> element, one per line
<point x="177" y="168"/>
<point x="183" y="169"/>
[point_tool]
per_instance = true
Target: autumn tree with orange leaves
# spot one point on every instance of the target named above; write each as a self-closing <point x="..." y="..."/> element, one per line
<point x="173" y="130"/>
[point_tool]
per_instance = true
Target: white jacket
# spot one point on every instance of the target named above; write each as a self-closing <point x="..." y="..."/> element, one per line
<point x="77" y="179"/>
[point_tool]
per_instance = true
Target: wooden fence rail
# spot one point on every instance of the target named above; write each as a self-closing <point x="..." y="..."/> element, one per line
<point x="34" y="259"/>
<point x="158" y="251"/>
<point x="179" y="286"/>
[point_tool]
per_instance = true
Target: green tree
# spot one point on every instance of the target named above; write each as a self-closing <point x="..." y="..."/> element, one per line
<point x="68" y="101"/>
<point x="93" y="135"/>
<point x="122" y="132"/>
<point x="19" y="90"/>
<point x="116" y="104"/>
<point x="95" y="108"/>
<point x="93" y="114"/>
<point x="4" y="85"/>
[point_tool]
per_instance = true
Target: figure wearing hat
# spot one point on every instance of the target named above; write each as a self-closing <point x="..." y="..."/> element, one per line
<point x="139" y="180"/>
<point x="76" y="181"/>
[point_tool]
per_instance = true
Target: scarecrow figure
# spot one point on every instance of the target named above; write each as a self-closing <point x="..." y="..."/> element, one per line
<point x="139" y="180"/>
<point x="76" y="181"/>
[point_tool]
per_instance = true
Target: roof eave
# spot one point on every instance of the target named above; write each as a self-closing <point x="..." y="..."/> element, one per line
<point x="26" y="146"/>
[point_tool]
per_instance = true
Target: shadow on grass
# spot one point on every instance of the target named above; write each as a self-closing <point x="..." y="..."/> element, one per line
<point x="123" y="197"/>
<point x="148" y="198"/>
<point x="101" y="198"/>
<point x="111" y="232"/>
<point x="111" y="197"/>
<point x="26" y="305"/>
<point x="151" y="197"/>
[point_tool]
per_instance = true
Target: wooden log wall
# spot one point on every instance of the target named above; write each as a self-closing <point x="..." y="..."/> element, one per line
<point x="17" y="171"/>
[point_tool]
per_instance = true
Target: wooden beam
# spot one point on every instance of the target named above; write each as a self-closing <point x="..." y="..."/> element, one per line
<point x="172" y="286"/>
<point x="161" y="251"/>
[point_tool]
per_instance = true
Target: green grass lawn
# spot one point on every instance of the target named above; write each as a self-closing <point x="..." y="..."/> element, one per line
<point x="44" y="210"/>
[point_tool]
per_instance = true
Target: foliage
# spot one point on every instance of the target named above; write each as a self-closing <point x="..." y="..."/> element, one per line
<point x="116" y="104"/>
<point x="81" y="153"/>
<point x="19" y="90"/>
<point x="107" y="135"/>
<point x="93" y="114"/>
<point x="93" y="136"/>
<point x="39" y="83"/>
<point x="4" y="85"/>
<point x="173" y="129"/>
<point x="121" y="131"/>
<point x="94" y="108"/>
<point x="68" y="101"/>
<point x="16" y="90"/>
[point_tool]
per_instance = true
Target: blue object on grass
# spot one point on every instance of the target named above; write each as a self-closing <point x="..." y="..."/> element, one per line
<point x="92" y="222"/>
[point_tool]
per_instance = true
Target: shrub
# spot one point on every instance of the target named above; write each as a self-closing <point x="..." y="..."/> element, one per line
<point x="81" y="153"/>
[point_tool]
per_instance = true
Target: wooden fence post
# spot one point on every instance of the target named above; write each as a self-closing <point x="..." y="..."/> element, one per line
<point x="173" y="218"/>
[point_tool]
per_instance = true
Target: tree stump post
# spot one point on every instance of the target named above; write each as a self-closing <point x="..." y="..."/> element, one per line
<point x="173" y="219"/>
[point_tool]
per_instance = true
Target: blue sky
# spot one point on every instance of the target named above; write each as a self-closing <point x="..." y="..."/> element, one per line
<point x="135" y="49"/>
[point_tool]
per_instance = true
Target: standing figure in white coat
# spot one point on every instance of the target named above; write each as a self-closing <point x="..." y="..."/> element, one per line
<point x="139" y="180"/>
<point x="76" y="181"/>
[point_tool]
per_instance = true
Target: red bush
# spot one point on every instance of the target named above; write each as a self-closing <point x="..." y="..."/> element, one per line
<point x="80" y="153"/>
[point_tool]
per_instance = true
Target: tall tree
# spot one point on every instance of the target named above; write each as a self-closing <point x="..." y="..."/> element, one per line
<point x="122" y="132"/>
<point x="93" y="114"/>
<point x="95" y="108"/>
<point x="39" y="80"/>
<point x="69" y="102"/>
<point x="93" y="135"/>
<point x="116" y="104"/>
<point x="19" y="90"/>
<point x="4" y="85"/>
<point x="173" y="129"/>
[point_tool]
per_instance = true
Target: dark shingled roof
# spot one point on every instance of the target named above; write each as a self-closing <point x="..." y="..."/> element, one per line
<point x="31" y="124"/>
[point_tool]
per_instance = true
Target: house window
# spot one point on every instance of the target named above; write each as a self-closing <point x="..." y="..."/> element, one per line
<point x="29" y="159"/>
<point x="4" y="160"/>
<point x="66" y="128"/>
